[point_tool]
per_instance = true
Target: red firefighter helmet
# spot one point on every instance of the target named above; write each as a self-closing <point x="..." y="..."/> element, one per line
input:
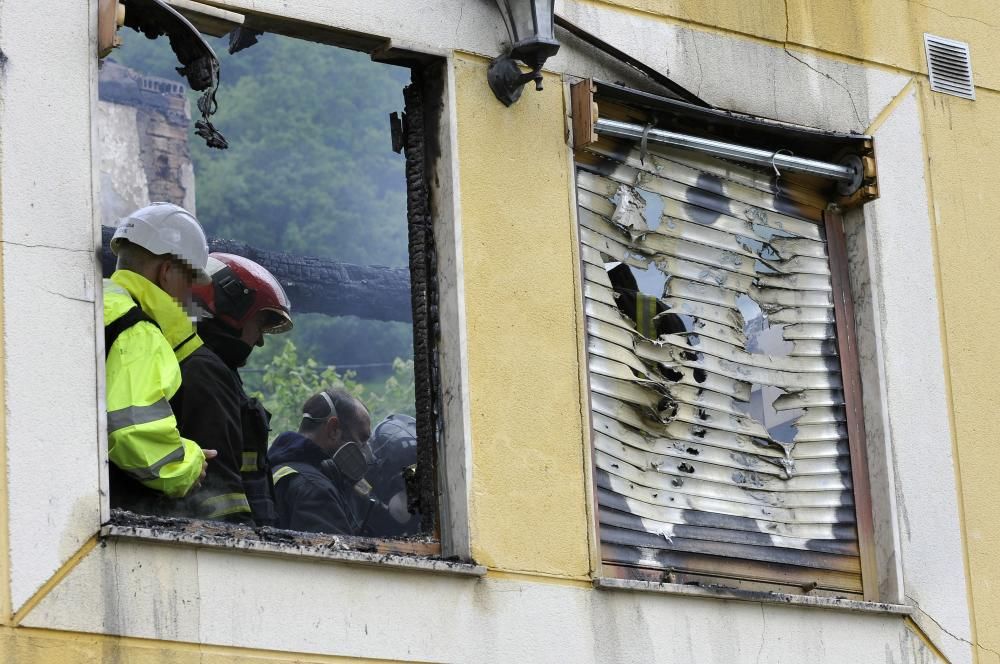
<point x="239" y="289"/>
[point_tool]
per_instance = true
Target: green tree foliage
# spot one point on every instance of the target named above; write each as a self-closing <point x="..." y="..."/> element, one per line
<point x="310" y="167"/>
<point x="288" y="382"/>
<point x="309" y="171"/>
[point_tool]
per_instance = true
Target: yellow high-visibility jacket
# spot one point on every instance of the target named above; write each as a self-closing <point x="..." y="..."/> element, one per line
<point x="143" y="373"/>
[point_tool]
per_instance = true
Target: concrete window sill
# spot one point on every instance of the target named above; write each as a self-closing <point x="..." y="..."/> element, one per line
<point x="754" y="596"/>
<point x="332" y="549"/>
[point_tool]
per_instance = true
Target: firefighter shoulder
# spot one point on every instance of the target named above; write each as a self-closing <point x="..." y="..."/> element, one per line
<point x="161" y="251"/>
<point x="242" y="303"/>
<point x="318" y="471"/>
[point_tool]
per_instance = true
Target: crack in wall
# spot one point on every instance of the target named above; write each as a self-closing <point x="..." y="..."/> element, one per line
<point x="941" y="627"/>
<point x="701" y="73"/>
<point x="69" y="297"/>
<point x="763" y="632"/>
<point x="955" y="16"/>
<point x="861" y="122"/>
<point x="45" y="246"/>
<point x="857" y="115"/>
<point x="787" y="20"/>
<point x="458" y="23"/>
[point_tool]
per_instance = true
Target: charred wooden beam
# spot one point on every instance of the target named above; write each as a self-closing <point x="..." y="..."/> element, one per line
<point x="319" y="285"/>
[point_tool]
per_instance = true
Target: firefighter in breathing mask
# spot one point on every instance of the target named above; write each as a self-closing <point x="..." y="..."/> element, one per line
<point x="318" y="472"/>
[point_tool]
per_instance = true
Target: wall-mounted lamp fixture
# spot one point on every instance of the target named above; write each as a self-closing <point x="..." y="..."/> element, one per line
<point x="530" y="24"/>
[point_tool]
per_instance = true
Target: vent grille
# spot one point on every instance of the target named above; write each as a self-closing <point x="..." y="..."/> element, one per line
<point x="950" y="66"/>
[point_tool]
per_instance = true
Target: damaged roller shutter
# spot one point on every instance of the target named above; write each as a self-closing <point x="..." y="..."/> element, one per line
<point x="720" y="435"/>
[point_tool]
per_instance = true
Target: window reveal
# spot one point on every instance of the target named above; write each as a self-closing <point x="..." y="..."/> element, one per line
<point x="719" y="429"/>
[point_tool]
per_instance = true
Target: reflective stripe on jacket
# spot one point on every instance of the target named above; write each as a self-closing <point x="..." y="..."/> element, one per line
<point x="305" y="499"/>
<point x="308" y="501"/>
<point x="142" y="375"/>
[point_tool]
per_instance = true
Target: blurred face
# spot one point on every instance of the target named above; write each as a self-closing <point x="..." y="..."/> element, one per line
<point x="176" y="279"/>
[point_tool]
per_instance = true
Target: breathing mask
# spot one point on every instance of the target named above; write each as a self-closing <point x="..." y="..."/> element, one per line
<point x="347" y="462"/>
<point x="350" y="461"/>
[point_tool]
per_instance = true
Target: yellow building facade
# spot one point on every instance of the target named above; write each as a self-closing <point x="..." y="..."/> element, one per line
<point x="69" y="593"/>
<point x="962" y="163"/>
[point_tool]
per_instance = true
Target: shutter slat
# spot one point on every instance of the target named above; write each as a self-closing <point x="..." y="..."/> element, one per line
<point x="688" y="466"/>
<point x="702" y="499"/>
<point x="798" y="529"/>
<point x="641" y="564"/>
<point x="772" y="554"/>
<point x="734" y="183"/>
<point x="628" y="521"/>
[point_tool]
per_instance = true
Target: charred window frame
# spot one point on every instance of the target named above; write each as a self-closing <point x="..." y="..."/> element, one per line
<point x="590" y="100"/>
<point x="421" y="133"/>
<point x="423" y="494"/>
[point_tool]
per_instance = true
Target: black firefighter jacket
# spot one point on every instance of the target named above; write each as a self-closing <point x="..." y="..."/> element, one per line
<point x="213" y="409"/>
<point x="305" y="498"/>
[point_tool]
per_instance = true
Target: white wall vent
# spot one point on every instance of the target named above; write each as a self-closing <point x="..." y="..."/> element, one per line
<point x="949" y="66"/>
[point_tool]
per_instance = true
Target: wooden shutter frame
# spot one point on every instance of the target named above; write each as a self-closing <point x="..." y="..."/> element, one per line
<point x="850" y="370"/>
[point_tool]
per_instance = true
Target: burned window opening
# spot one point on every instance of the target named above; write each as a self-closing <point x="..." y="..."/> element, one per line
<point x="375" y="293"/>
<point x="720" y="433"/>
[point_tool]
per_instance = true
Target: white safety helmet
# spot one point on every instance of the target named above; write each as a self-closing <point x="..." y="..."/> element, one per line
<point x="165" y="228"/>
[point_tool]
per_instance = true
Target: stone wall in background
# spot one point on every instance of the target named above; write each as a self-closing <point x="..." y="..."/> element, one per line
<point x="144" y="153"/>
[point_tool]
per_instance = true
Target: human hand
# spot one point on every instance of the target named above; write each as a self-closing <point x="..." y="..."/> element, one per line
<point x="209" y="455"/>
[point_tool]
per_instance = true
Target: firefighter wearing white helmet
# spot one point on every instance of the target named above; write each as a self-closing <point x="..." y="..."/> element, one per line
<point x="162" y="252"/>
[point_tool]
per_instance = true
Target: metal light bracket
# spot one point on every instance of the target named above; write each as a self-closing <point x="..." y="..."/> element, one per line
<point x="507" y="81"/>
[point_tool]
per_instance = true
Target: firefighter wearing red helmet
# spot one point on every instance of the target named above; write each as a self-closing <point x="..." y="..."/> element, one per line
<point x="242" y="303"/>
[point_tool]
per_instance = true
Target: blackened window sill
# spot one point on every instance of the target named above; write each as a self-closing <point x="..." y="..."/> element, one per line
<point x="785" y="599"/>
<point x="411" y="554"/>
